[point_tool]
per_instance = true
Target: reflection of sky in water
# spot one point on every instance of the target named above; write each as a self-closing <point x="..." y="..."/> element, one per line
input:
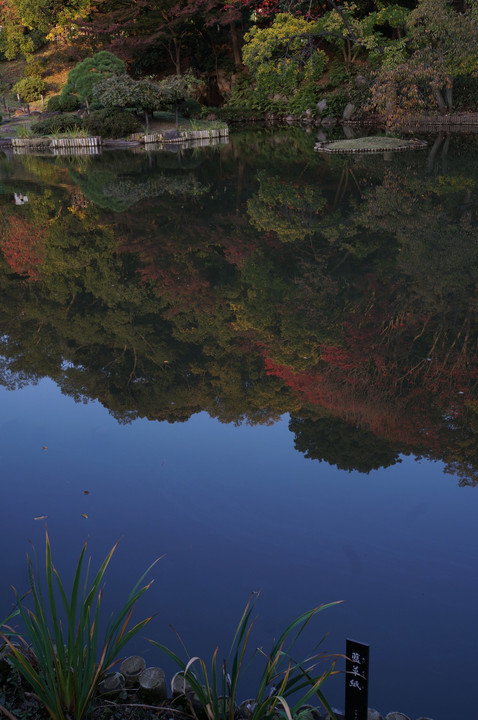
<point x="238" y="509"/>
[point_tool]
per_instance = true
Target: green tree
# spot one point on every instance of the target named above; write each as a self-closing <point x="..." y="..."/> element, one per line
<point x="442" y="45"/>
<point x="283" y="58"/>
<point x="122" y="91"/>
<point x="15" y="41"/>
<point x="343" y="444"/>
<point x="88" y="73"/>
<point x="176" y="88"/>
<point x="351" y="31"/>
<point x="46" y="15"/>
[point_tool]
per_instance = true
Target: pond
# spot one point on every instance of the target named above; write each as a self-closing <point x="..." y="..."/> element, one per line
<point x="259" y="363"/>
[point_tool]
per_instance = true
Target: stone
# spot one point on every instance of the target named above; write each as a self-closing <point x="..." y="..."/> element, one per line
<point x="290" y="119"/>
<point x="373" y="714"/>
<point x="349" y="110"/>
<point x="396" y="716"/>
<point x="321" y="105"/>
<point x="278" y="98"/>
<point x="329" y="120"/>
<point x="360" y="80"/>
<point x="170" y="134"/>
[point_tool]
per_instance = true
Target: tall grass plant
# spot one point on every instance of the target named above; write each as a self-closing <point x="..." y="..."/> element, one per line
<point x="60" y="654"/>
<point x="284" y="686"/>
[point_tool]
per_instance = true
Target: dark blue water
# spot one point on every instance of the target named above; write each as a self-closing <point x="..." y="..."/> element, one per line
<point x="233" y="507"/>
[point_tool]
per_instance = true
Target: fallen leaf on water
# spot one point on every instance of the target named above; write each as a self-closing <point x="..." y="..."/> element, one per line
<point x="44" y="447"/>
<point x="84" y="515"/>
<point x="40" y="517"/>
<point x="86" y="492"/>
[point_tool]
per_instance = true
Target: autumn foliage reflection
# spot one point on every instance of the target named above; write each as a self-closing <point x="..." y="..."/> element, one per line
<point x="346" y="297"/>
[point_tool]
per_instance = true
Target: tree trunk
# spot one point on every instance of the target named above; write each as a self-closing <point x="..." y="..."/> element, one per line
<point x="177" y="56"/>
<point x="235" y="45"/>
<point x="433" y="152"/>
<point x="449" y="93"/>
<point x="444" y="155"/>
<point x="442" y="104"/>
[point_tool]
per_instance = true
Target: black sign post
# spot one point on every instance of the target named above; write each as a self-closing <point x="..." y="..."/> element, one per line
<point x="356" y="680"/>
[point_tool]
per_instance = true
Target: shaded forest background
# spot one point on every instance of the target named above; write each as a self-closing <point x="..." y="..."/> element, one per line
<point x="258" y="55"/>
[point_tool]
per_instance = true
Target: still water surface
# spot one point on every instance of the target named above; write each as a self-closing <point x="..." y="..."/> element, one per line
<point x="260" y="363"/>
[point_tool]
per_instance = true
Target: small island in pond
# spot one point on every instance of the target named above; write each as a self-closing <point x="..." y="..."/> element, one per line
<point x="370" y="144"/>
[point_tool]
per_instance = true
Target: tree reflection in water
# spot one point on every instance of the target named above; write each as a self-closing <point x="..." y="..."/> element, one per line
<point x="252" y="280"/>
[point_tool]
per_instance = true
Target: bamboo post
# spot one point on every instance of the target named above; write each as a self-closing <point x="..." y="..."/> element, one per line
<point x="152" y="682"/>
<point x="132" y="668"/>
<point x="112" y="684"/>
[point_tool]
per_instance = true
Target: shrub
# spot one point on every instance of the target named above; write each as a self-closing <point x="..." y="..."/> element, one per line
<point x="124" y="92"/>
<point x="190" y="108"/>
<point x="91" y="71"/>
<point x="337" y="75"/>
<point x="304" y="99"/>
<point x="336" y="103"/>
<point x="33" y="69"/>
<point x="53" y="104"/>
<point x="465" y="92"/>
<point x="111" y="123"/>
<point x="30" y="88"/>
<point x="69" y="103"/>
<point x="57" y="124"/>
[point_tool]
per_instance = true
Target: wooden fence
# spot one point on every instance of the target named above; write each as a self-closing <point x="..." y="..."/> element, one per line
<point x="92" y="143"/>
<point x="185" y="136"/>
<point x="59" y="146"/>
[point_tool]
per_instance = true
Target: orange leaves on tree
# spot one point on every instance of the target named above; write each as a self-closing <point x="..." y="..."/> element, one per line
<point x="23" y="246"/>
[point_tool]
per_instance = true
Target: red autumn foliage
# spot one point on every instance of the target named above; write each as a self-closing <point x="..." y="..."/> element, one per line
<point x="23" y="246"/>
